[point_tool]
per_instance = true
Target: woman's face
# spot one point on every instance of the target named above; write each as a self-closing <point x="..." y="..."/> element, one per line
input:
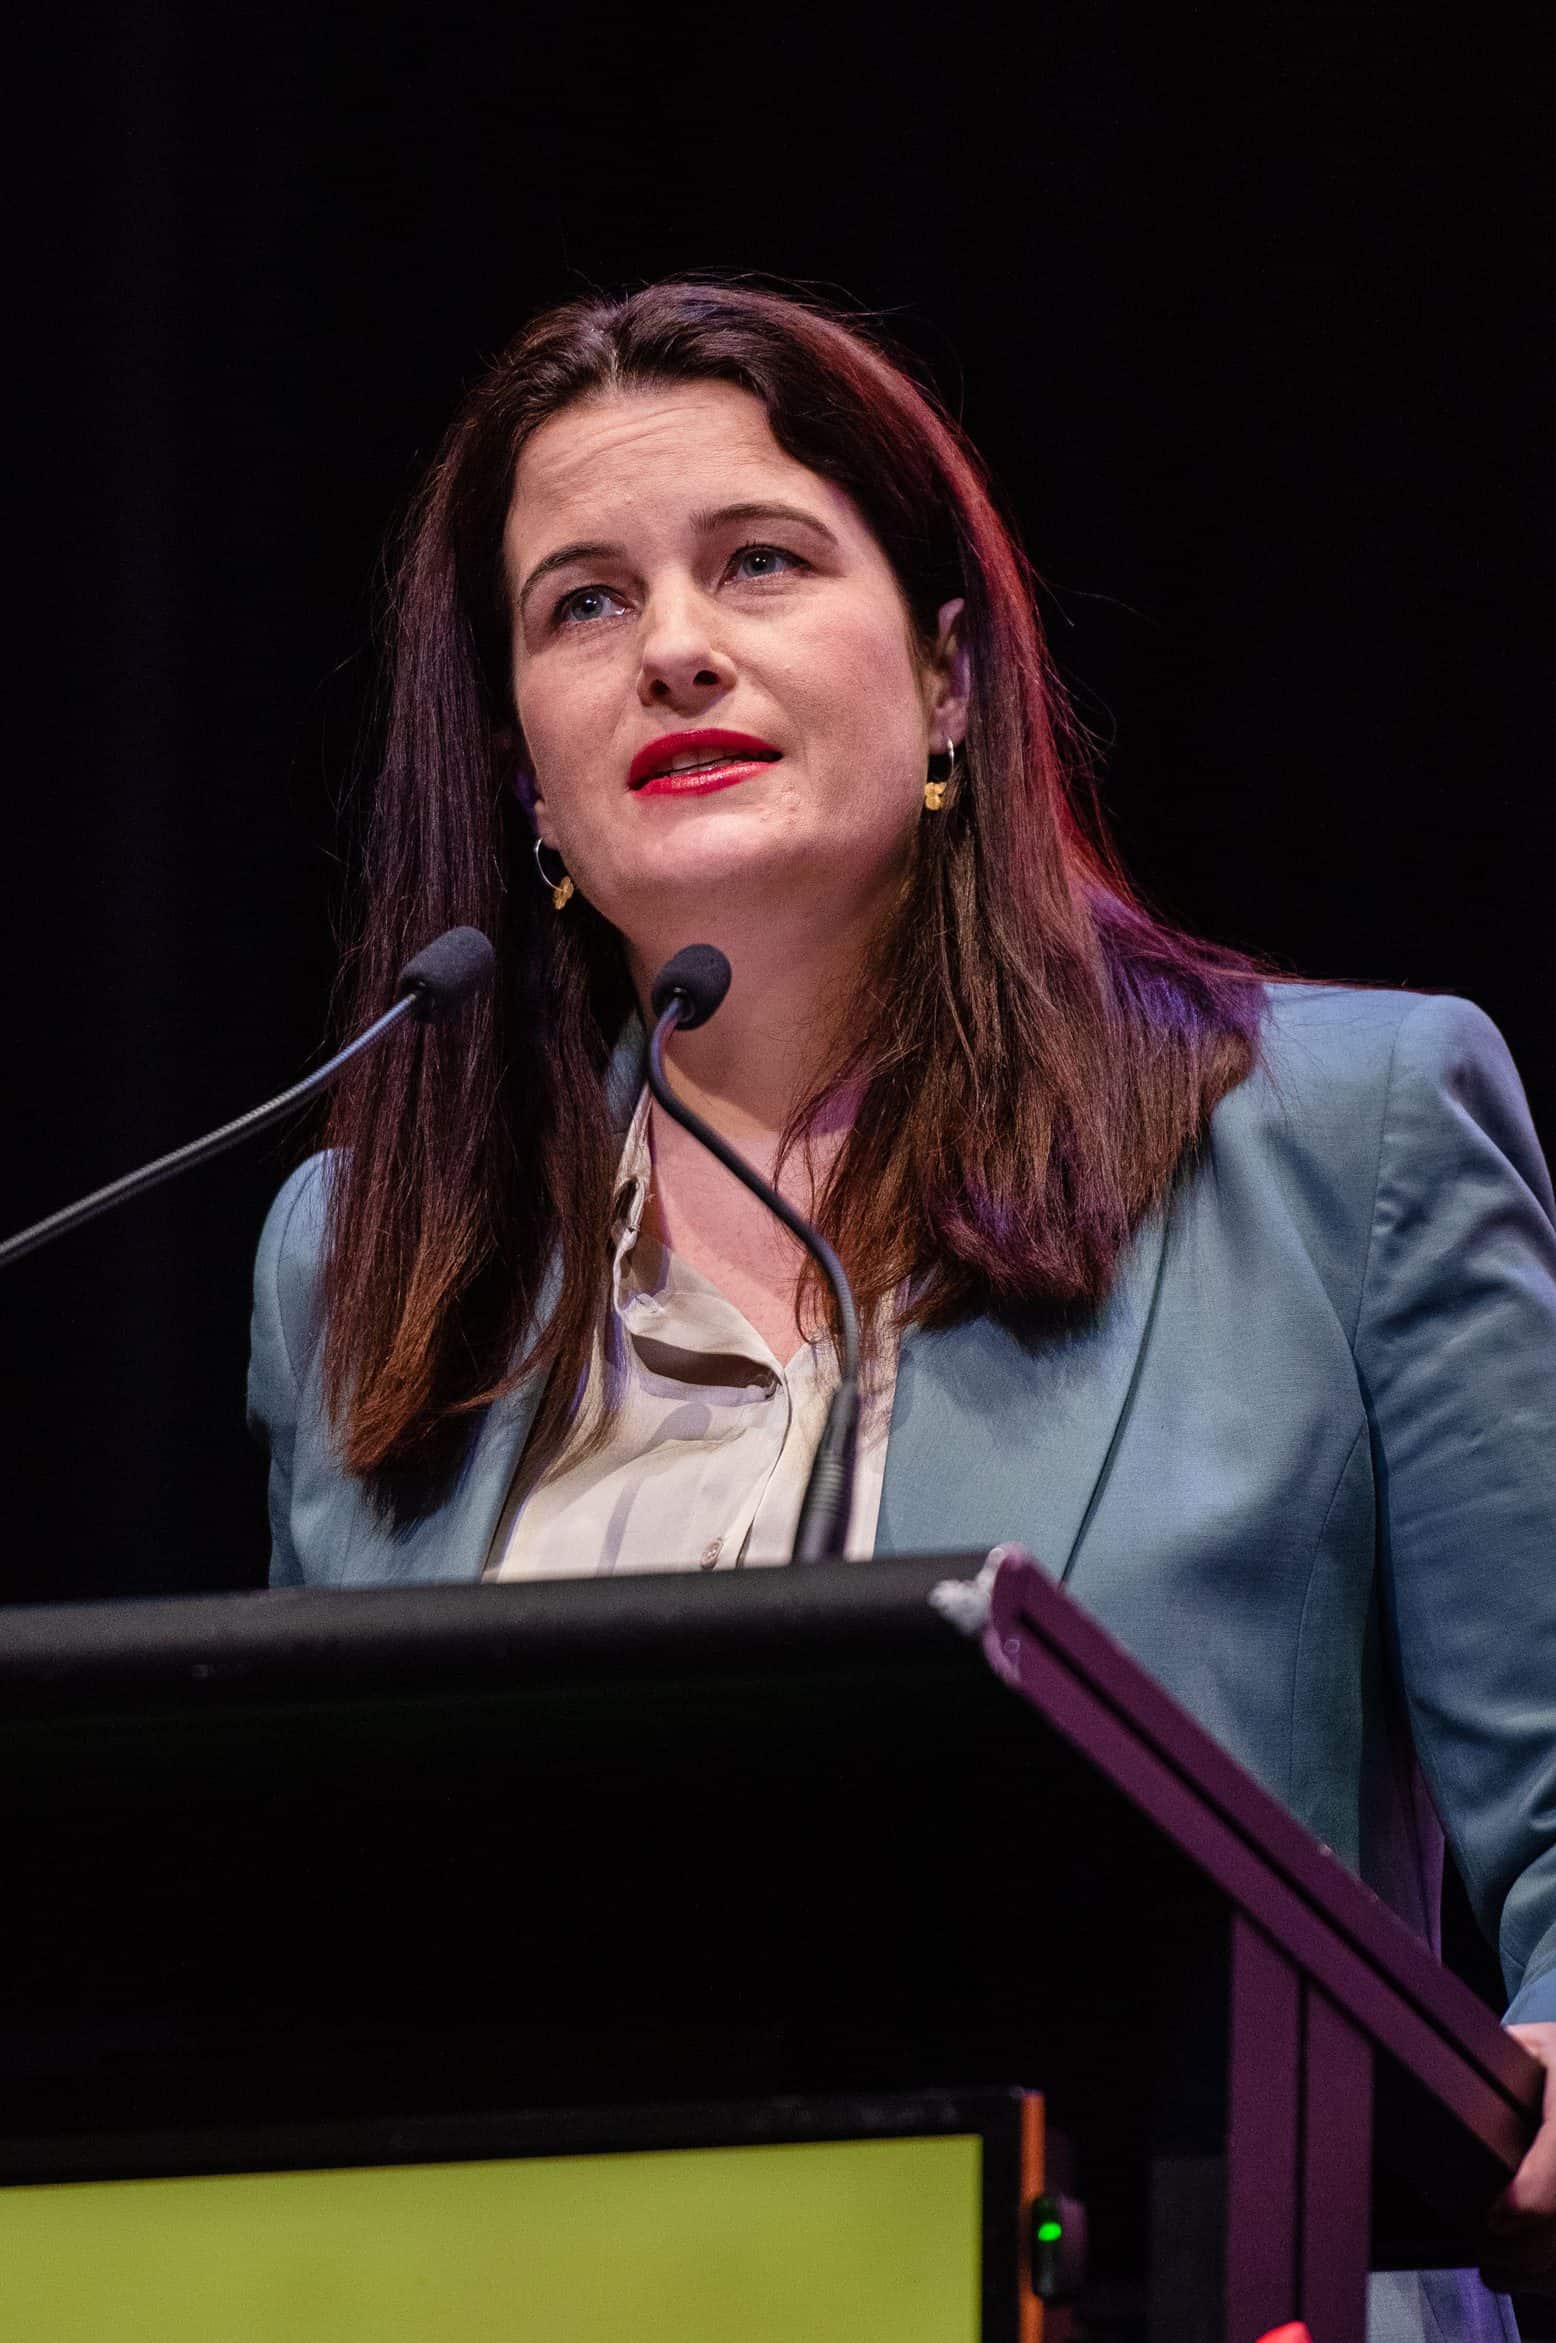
<point x="672" y="571"/>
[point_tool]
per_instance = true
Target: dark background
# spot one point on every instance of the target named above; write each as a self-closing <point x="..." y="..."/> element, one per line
<point x="1246" y="310"/>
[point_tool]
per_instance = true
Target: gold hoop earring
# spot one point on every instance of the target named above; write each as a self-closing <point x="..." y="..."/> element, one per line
<point x="934" y="791"/>
<point x="562" y="890"/>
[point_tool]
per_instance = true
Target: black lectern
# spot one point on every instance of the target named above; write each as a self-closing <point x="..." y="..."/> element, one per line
<point x="284" y="1861"/>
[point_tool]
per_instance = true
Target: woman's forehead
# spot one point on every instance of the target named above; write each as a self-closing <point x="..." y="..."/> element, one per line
<point x="653" y="454"/>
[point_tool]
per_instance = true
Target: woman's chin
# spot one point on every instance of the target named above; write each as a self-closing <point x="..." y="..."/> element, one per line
<point x="698" y="865"/>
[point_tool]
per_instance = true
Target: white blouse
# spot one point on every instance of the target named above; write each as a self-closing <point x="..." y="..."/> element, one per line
<point x="707" y="1459"/>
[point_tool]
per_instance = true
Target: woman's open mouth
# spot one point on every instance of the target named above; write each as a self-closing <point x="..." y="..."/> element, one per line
<point x="692" y="764"/>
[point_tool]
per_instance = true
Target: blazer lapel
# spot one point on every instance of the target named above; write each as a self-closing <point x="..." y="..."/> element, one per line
<point x="999" y="1441"/>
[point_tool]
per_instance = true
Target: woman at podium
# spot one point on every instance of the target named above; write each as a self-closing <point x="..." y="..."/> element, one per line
<point x="1233" y="1299"/>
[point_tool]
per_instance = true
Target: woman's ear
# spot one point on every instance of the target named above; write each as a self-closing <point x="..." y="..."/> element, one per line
<point x="513" y="767"/>
<point x="952" y="669"/>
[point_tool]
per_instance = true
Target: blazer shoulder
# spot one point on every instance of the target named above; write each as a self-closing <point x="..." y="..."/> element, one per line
<point x="1356" y="1089"/>
<point x="1333" y="1057"/>
<point x="289" y="1260"/>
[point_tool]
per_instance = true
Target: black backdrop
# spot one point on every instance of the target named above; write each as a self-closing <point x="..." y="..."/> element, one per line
<point x="1247" y="316"/>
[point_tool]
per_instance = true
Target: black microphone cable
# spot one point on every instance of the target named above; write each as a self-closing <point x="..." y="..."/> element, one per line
<point x="433" y="986"/>
<point x="685" y="994"/>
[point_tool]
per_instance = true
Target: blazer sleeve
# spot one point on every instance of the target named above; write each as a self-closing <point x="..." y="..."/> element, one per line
<point x="282" y="1335"/>
<point x="1456" y="1344"/>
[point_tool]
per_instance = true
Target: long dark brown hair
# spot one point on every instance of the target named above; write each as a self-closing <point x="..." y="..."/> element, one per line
<point x="1037" y="1054"/>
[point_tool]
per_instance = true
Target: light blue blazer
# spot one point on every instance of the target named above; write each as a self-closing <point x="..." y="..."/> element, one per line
<point x="1303" y="1465"/>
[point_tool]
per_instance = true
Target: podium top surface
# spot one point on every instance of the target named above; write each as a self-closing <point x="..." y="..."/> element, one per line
<point x="202" y="1650"/>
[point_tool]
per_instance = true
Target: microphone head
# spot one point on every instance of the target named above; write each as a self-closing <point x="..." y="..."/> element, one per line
<point x="698" y="977"/>
<point x="446" y="972"/>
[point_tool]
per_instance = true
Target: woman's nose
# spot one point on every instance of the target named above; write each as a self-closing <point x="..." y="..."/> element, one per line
<point x="682" y="662"/>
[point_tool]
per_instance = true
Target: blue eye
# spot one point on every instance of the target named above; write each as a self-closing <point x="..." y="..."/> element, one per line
<point x="766" y="553"/>
<point x="586" y="605"/>
<point x="572" y="606"/>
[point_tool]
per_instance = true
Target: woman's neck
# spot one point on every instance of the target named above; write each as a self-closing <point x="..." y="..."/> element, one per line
<point x="746" y="1072"/>
<point x="778" y="1030"/>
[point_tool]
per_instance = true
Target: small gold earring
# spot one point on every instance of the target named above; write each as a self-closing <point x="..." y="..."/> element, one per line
<point x="560" y="890"/>
<point x="934" y="791"/>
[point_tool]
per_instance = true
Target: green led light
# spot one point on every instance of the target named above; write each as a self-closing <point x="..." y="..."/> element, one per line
<point x="1049" y="2232"/>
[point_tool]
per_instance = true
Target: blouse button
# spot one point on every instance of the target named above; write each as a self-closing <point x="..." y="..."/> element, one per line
<point x="711" y="1553"/>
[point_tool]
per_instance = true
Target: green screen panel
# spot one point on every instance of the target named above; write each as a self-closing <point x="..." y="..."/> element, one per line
<point x="859" y="2241"/>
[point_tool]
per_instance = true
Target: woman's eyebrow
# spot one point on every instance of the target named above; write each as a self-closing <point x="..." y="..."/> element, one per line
<point x="705" y="523"/>
<point x="592" y="549"/>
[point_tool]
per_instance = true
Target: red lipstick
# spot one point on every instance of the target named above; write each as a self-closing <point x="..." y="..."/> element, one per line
<point x="718" y="759"/>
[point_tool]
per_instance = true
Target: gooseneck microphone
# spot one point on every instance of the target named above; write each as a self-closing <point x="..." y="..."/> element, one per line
<point x="685" y="994"/>
<point x="432" y="987"/>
